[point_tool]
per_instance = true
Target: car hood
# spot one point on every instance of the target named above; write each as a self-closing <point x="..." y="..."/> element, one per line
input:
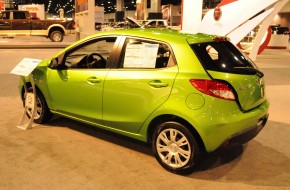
<point x="133" y="22"/>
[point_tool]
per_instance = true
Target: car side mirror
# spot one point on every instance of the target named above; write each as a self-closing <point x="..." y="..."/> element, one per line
<point x="54" y="64"/>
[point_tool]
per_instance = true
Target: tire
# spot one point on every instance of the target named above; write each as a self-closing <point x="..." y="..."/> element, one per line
<point x="175" y="147"/>
<point x="56" y="36"/>
<point x="42" y="113"/>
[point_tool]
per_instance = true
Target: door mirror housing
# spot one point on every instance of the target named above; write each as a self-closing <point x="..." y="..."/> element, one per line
<point x="56" y="63"/>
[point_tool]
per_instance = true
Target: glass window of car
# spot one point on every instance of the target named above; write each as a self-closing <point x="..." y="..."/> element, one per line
<point x="152" y="23"/>
<point x="5" y="15"/>
<point x="223" y="57"/>
<point x="139" y="53"/>
<point x="160" y="23"/>
<point x="93" y="54"/>
<point x="19" y="15"/>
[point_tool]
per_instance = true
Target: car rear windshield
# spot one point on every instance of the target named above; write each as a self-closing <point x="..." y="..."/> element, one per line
<point x="223" y="57"/>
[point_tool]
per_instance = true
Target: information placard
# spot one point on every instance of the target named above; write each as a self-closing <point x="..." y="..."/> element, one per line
<point x="140" y="55"/>
<point x="25" y="66"/>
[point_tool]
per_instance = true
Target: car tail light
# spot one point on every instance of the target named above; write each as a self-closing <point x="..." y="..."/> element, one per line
<point x="213" y="88"/>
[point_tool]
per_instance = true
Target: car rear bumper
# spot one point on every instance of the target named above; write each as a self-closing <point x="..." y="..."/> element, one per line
<point x="248" y="134"/>
<point x="224" y="123"/>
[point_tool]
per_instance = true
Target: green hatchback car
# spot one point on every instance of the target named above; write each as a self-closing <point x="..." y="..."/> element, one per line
<point x="184" y="94"/>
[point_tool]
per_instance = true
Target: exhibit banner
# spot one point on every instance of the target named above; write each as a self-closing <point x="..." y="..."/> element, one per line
<point x="2" y="6"/>
<point x="167" y="12"/>
<point x="36" y="11"/>
<point x="81" y="5"/>
<point x="99" y="14"/>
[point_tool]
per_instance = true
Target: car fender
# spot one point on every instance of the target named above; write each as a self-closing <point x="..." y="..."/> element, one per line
<point x="56" y="26"/>
<point x="174" y="107"/>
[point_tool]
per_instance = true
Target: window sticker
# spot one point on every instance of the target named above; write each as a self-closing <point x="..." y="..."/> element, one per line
<point x="140" y="55"/>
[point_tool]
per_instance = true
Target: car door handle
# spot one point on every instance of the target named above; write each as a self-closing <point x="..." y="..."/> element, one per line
<point x="93" y="80"/>
<point x="158" y="84"/>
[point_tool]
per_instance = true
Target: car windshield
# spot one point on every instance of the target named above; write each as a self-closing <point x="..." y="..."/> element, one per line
<point x="223" y="57"/>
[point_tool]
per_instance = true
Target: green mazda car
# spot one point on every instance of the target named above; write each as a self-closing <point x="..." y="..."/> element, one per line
<point x="184" y="94"/>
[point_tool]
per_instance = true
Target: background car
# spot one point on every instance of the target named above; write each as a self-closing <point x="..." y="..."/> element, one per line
<point x="184" y="94"/>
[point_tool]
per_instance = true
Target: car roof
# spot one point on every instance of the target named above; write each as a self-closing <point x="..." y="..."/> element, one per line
<point x="166" y="35"/>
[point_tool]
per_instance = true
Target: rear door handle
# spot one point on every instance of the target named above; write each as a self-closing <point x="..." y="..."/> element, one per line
<point x="93" y="80"/>
<point x="158" y="84"/>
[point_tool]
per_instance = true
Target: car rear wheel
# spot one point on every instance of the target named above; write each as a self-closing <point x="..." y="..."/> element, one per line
<point x="175" y="147"/>
<point x="42" y="113"/>
<point x="56" y="36"/>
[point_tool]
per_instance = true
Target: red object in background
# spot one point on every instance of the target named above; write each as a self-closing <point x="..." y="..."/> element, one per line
<point x="264" y="45"/>
<point x="2" y="6"/>
<point x="218" y="11"/>
<point x="224" y="2"/>
<point x="217" y="14"/>
<point x="33" y="16"/>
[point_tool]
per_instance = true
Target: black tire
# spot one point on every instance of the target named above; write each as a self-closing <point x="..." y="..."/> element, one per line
<point x="43" y="113"/>
<point x="56" y="36"/>
<point x="175" y="147"/>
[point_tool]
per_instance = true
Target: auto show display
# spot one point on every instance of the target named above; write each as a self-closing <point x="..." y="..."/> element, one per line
<point x="185" y="94"/>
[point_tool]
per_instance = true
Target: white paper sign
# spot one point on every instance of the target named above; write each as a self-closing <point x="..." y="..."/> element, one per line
<point x="25" y="66"/>
<point x="140" y="55"/>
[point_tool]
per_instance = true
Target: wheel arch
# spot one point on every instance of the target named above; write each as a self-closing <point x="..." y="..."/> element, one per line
<point x="28" y="85"/>
<point x="53" y="28"/>
<point x="168" y="117"/>
<point x="43" y="114"/>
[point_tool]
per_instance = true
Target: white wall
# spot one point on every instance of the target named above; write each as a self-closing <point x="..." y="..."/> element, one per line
<point x="286" y="8"/>
<point x="283" y="19"/>
<point x="38" y="9"/>
<point x="175" y="14"/>
<point x="111" y="16"/>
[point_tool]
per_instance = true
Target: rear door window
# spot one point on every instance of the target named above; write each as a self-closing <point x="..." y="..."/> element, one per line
<point x="145" y="54"/>
<point x="19" y="15"/>
<point x="223" y="57"/>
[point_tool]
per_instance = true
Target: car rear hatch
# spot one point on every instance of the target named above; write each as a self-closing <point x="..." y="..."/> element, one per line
<point x="224" y="62"/>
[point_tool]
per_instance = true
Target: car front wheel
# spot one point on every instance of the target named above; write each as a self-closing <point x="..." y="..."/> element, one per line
<point x="42" y="113"/>
<point x="175" y="147"/>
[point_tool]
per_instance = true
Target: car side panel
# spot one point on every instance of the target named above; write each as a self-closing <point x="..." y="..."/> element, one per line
<point x="75" y="92"/>
<point x="129" y="96"/>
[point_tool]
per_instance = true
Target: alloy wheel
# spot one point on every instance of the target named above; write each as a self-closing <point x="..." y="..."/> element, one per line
<point x="173" y="148"/>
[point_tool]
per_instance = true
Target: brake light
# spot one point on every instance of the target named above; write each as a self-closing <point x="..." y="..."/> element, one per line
<point x="221" y="39"/>
<point x="213" y="88"/>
